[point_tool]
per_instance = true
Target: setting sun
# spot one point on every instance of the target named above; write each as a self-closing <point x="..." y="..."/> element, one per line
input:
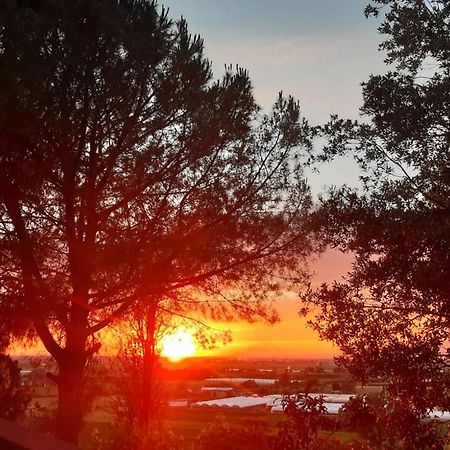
<point x="178" y="345"/>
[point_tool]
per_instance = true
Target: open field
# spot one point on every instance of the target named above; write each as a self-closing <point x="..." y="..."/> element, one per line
<point x="186" y="380"/>
<point x="189" y="422"/>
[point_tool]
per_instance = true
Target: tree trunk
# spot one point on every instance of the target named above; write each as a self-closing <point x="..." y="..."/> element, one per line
<point x="147" y="388"/>
<point x="71" y="399"/>
<point x="149" y="402"/>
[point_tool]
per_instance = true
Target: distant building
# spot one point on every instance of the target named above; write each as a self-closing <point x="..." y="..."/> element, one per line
<point x="260" y="381"/>
<point x="238" y="402"/>
<point x="218" y="391"/>
<point x="179" y="403"/>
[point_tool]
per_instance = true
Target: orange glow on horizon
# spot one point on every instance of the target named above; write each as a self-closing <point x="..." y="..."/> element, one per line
<point x="290" y="338"/>
<point x="178" y="345"/>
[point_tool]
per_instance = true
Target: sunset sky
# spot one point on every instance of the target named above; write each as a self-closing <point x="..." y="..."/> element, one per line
<point x="291" y="337"/>
<point x="319" y="51"/>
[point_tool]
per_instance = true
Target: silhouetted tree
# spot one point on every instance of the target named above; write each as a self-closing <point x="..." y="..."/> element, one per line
<point x="14" y="397"/>
<point x="138" y="394"/>
<point x="306" y="416"/>
<point x="128" y="174"/>
<point x="284" y="379"/>
<point x="391" y="423"/>
<point x="390" y="317"/>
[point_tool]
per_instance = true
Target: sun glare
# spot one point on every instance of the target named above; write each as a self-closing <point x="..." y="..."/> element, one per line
<point x="178" y="345"/>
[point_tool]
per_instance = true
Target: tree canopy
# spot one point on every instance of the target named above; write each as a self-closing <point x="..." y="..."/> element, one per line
<point x="390" y="316"/>
<point x="128" y="174"/>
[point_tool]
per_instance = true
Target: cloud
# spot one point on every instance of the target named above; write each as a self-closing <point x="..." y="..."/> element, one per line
<point x="324" y="72"/>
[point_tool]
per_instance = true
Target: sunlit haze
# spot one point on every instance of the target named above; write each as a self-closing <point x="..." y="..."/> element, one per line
<point x="177" y="345"/>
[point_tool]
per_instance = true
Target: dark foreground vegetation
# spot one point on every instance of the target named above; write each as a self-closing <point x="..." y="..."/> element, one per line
<point x="390" y="317"/>
<point x="136" y="189"/>
<point x="367" y="421"/>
